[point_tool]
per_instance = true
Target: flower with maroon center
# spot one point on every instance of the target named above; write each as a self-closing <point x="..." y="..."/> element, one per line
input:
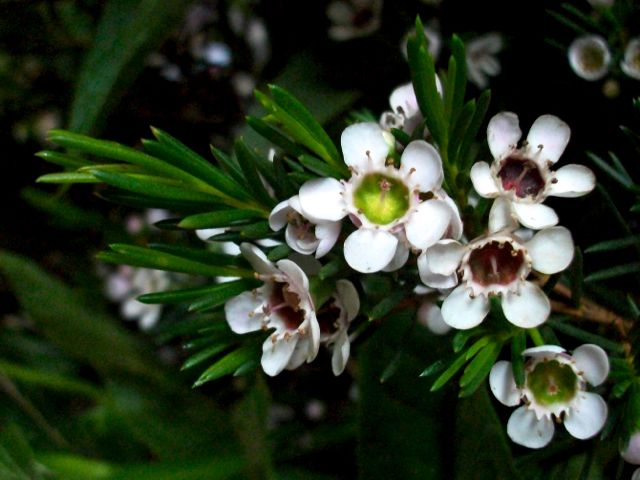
<point x="334" y="318"/>
<point x="554" y="388"/>
<point x="522" y="177"/>
<point x="392" y="208"/>
<point x="496" y="264"/>
<point x="283" y="303"/>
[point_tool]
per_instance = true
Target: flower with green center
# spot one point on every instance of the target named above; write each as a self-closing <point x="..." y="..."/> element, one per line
<point x="393" y="208"/>
<point x="554" y="389"/>
<point x="521" y="179"/>
<point x="630" y="65"/>
<point x="589" y="57"/>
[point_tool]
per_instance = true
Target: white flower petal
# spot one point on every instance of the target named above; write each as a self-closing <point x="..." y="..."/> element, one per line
<point x="403" y="101"/>
<point x="593" y="362"/>
<point x="297" y="279"/>
<point x="503" y="384"/>
<point x="587" y="417"/>
<point x="501" y="216"/>
<point x="534" y="215"/>
<point x="399" y="258"/>
<point x="548" y="138"/>
<point x="435" y="280"/>
<point x="349" y="298"/>
<point x="279" y="215"/>
<point x="543" y="351"/>
<point x="461" y="311"/>
<point x="321" y="199"/>
<point x="525" y="429"/>
<point x="132" y="308"/>
<point x="364" y="146"/>
<point x="503" y="134"/>
<point x="276" y="354"/>
<point x="305" y="245"/>
<point x="444" y="257"/>
<point x="551" y="250"/>
<point x="244" y="312"/>
<point x="422" y="162"/>
<point x="327" y="233"/>
<point x="631" y="453"/>
<point x="572" y="181"/>
<point x="483" y="181"/>
<point x="314" y="337"/>
<point x="428" y="223"/>
<point x="299" y="354"/>
<point x="636" y="473"/>
<point x="205" y="234"/>
<point x="589" y="57"/>
<point x="369" y="251"/>
<point x="150" y="317"/>
<point x="340" y="355"/>
<point x="257" y="259"/>
<point x="430" y="315"/>
<point x="456" y="228"/>
<point x="529" y="308"/>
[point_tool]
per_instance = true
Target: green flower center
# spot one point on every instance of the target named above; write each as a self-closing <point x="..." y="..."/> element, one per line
<point x="381" y="199"/>
<point x="592" y="58"/>
<point x="552" y="382"/>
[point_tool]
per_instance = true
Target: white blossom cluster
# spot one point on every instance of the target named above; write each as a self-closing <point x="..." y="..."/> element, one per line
<point x="393" y="210"/>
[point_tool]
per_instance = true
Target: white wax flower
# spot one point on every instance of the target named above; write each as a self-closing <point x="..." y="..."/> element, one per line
<point x="630" y="64"/>
<point x="589" y="57"/>
<point x="522" y="177"/>
<point x="481" y="59"/>
<point x="393" y="208"/>
<point x="554" y="389"/>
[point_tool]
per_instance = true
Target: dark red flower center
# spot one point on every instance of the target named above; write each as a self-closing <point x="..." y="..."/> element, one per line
<point x="287" y="305"/>
<point x="328" y="316"/>
<point x="495" y="263"/>
<point x="522" y="176"/>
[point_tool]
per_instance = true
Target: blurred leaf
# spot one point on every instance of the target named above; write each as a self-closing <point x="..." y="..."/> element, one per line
<point x="479" y="368"/>
<point x="228" y="364"/>
<point x="73" y="467"/>
<point x="222" y="291"/>
<point x="127" y="33"/>
<point x="249" y="164"/>
<point x="477" y="429"/>
<point x="219" y="218"/>
<point x="79" y="329"/>
<point x="611" y="245"/>
<point x="275" y="136"/>
<point x="584" y="336"/>
<point x="613" y="272"/>
<point x="202" y="355"/>
<point x="482" y="106"/>
<point x="401" y="430"/>
<point x="620" y="177"/>
<point x="387" y="304"/>
<point x="67" y="177"/>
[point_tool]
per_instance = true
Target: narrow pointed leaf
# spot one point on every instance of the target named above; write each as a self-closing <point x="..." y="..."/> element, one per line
<point x="219" y="218"/>
<point x="248" y="164"/>
<point x="457" y="364"/>
<point x="321" y="168"/>
<point x="613" y="272"/>
<point x="227" y="364"/>
<point x="477" y="371"/>
<point x="223" y="290"/>
<point x="66" y="161"/>
<point x="274" y="136"/>
<point x="611" y="245"/>
<point x="206" y="354"/>
<point x="68" y="177"/>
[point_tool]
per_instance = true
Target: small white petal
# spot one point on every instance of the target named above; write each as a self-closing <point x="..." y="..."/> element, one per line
<point x="403" y="101"/>
<point x="593" y="362"/>
<point x="278" y="216"/>
<point x="349" y="299"/>
<point x="327" y="233"/>
<point x="543" y="351"/>
<point x="456" y="228"/>
<point x="341" y="350"/>
<point x="132" y="308"/>
<point x="501" y="215"/>
<point x="399" y="258"/>
<point x="243" y="312"/>
<point x="586" y="418"/>
<point x="428" y="223"/>
<point x="529" y="308"/>
<point x="276" y="355"/>
<point x="423" y="163"/>
<point x="525" y="429"/>
<point x="321" y="199"/>
<point x="550" y="133"/>
<point x="534" y="215"/>
<point x="369" y="251"/>
<point x="299" y="354"/>
<point x="257" y="259"/>
<point x="573" y="181"/>
<point x="461" y="311"/>
<point x="205" y="234"/>
<point x="503" y="384"/>
<point x="305" y="245"/>
<point x="483" y="181"/>
<point x="435" y="280"/>
<point x="430" y="315"/>
<point x="444" y="257"/>
<point x="631" y="453"/>
<point x="636" y="473"/>
<point x="296" y="276"/>
<point x="551" y="250"/>
<point x="503" y="134"/>
<point x="149" y="318"/>
<point x="314" y="337"/>
<point x="364" y="145"/>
